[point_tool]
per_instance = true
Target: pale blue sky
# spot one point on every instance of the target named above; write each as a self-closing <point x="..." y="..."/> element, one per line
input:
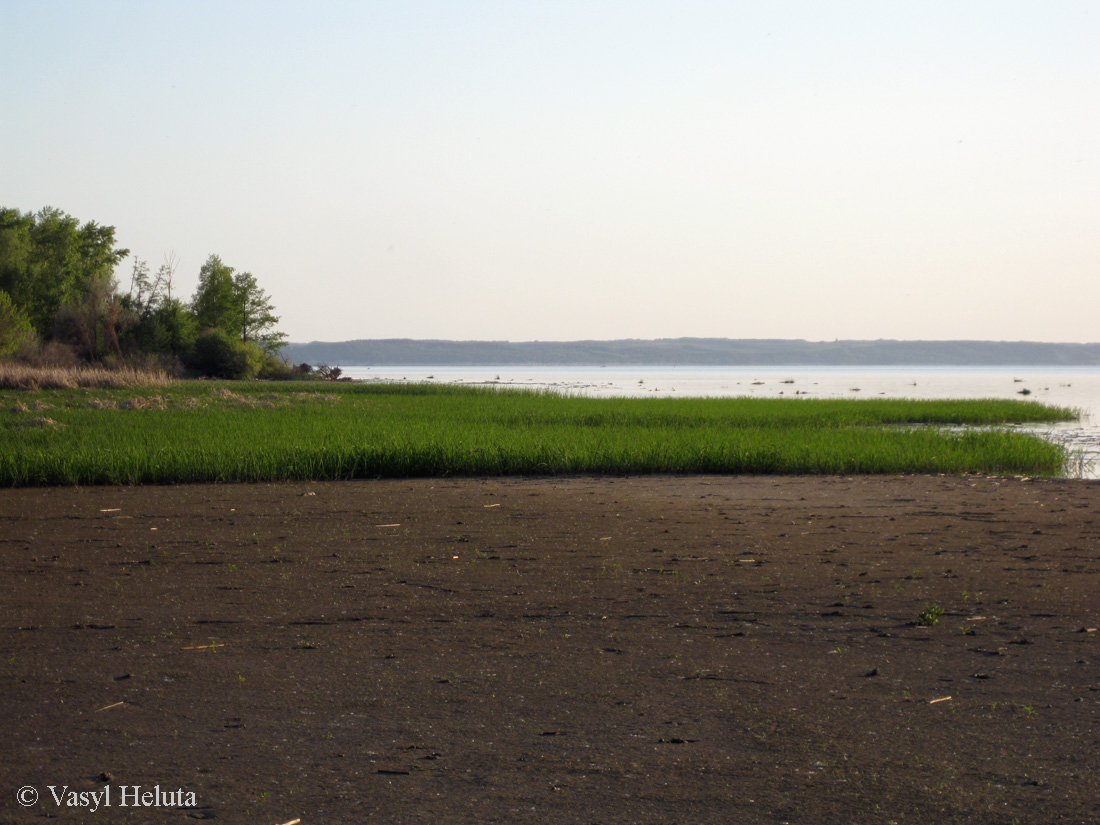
<point x="562" y="170"/>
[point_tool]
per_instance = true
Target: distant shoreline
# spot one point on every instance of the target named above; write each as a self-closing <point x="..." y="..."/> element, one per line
<point x="692" y="352"/>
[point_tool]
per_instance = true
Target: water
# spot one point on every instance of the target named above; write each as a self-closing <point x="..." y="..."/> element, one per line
<point x="1076" y="387"/>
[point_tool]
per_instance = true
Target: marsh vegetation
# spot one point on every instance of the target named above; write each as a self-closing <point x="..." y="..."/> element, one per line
<point x="255" y="431"/>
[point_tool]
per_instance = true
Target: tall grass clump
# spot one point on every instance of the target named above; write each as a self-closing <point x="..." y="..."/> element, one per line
<point x="251" y="431"/>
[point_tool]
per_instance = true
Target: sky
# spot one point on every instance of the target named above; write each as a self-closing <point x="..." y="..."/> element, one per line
<point x="558" y="170"/>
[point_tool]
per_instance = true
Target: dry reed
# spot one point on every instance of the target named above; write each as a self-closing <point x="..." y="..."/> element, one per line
<point x="24" y="377"/>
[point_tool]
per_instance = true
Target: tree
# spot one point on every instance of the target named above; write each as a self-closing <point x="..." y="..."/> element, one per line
<point x="48" y="259"/>
<point x="168" y="328"/>
<point x="173" y="329"/>
<point x="256" y="314"/>
<point x="158" y="323"/>
<point x="162" y="286"/>
<point x="234" y="303"/>
<point x="57" y="282"/>
<point x="91" y="324"/>
<point x="215" y="304"/>
<point x="141" y="295"/>
<point x="147" y="293"/>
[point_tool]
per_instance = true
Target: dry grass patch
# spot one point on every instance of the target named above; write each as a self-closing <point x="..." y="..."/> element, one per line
<point x="224" y="394"/>
<point x="37" y="406"/>
<point x="40" y="422"/>
<point x="271" y="399"/>
<point x="155" y="402"/>
<point x="24" y="377"/>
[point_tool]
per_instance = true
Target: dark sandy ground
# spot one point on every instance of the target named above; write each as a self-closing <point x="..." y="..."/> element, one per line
<point x="651" y="650"/>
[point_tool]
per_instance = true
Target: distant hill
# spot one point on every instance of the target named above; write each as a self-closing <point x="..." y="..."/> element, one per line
<point x="401" y="352"/>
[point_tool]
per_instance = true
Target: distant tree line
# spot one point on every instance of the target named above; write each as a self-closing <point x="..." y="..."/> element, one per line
<point x="60" y="302"/>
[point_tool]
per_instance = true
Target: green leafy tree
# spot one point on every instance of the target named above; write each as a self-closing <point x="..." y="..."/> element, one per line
<point x="15" y="328"/>
<point x="57" y="281"/>
<point x="49" y="259"/>
<point x="147" y="291"/>
<point x="159" y="323"/>
<point x="169" y="328"/>
<point x="174" y="328"/>
<point x="234" y="303"/>
<point x="215" y="304"/>
<point x="257" y="314"/>
<point x="141" y="298"/>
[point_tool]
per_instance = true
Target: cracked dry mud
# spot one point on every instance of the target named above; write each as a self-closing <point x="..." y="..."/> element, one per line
<point x="578" y="650"/>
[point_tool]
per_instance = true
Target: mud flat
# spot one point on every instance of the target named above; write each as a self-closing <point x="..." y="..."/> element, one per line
<point x="579" y="650"/>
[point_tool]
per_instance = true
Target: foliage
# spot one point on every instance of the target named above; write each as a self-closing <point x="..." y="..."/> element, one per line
<point x="234" y="302"/>
<point x="148" y="292"/>
<point x="275" y="369"/>
<point x="257" y="316"/>
<point x="15" y="327"/>
<point x="48" y="259"/>
<point x="171" y="329"/>
<point x="57" y="283"/>
<point x="161" y="324"/>
<point x="158" y="325"/>
<point x="90" y="325"/>
<point x="216" y="353"/>
<point x="215" y="301"/>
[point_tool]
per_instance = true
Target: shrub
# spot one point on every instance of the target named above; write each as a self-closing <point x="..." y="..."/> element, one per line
<point x="219" y="355"/>
<point x="275" y="369"/>
<point x="48" y="354"/>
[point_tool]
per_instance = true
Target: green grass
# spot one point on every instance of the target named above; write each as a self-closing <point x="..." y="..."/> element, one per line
<point x="207" y="431"/>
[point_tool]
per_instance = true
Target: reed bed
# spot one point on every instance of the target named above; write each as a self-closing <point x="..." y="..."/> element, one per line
<point x="25" y="377"/>
<point x="208" y="432"/>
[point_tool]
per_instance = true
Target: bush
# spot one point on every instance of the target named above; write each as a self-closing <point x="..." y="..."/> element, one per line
<point x="220" y="355"/>
<point x="172" y="329"/>
<point x="48" y="354"/>
<point x="275" y="369"/>
<point x="169" y="329"/>
<point x="16" y="332"/>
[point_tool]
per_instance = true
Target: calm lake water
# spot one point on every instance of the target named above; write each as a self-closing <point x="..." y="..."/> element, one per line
<point x="1076" y="387"/>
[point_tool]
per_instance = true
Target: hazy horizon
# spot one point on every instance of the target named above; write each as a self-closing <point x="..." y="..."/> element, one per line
<point x="699" y="337"/>
<point x="568" y="171"/>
